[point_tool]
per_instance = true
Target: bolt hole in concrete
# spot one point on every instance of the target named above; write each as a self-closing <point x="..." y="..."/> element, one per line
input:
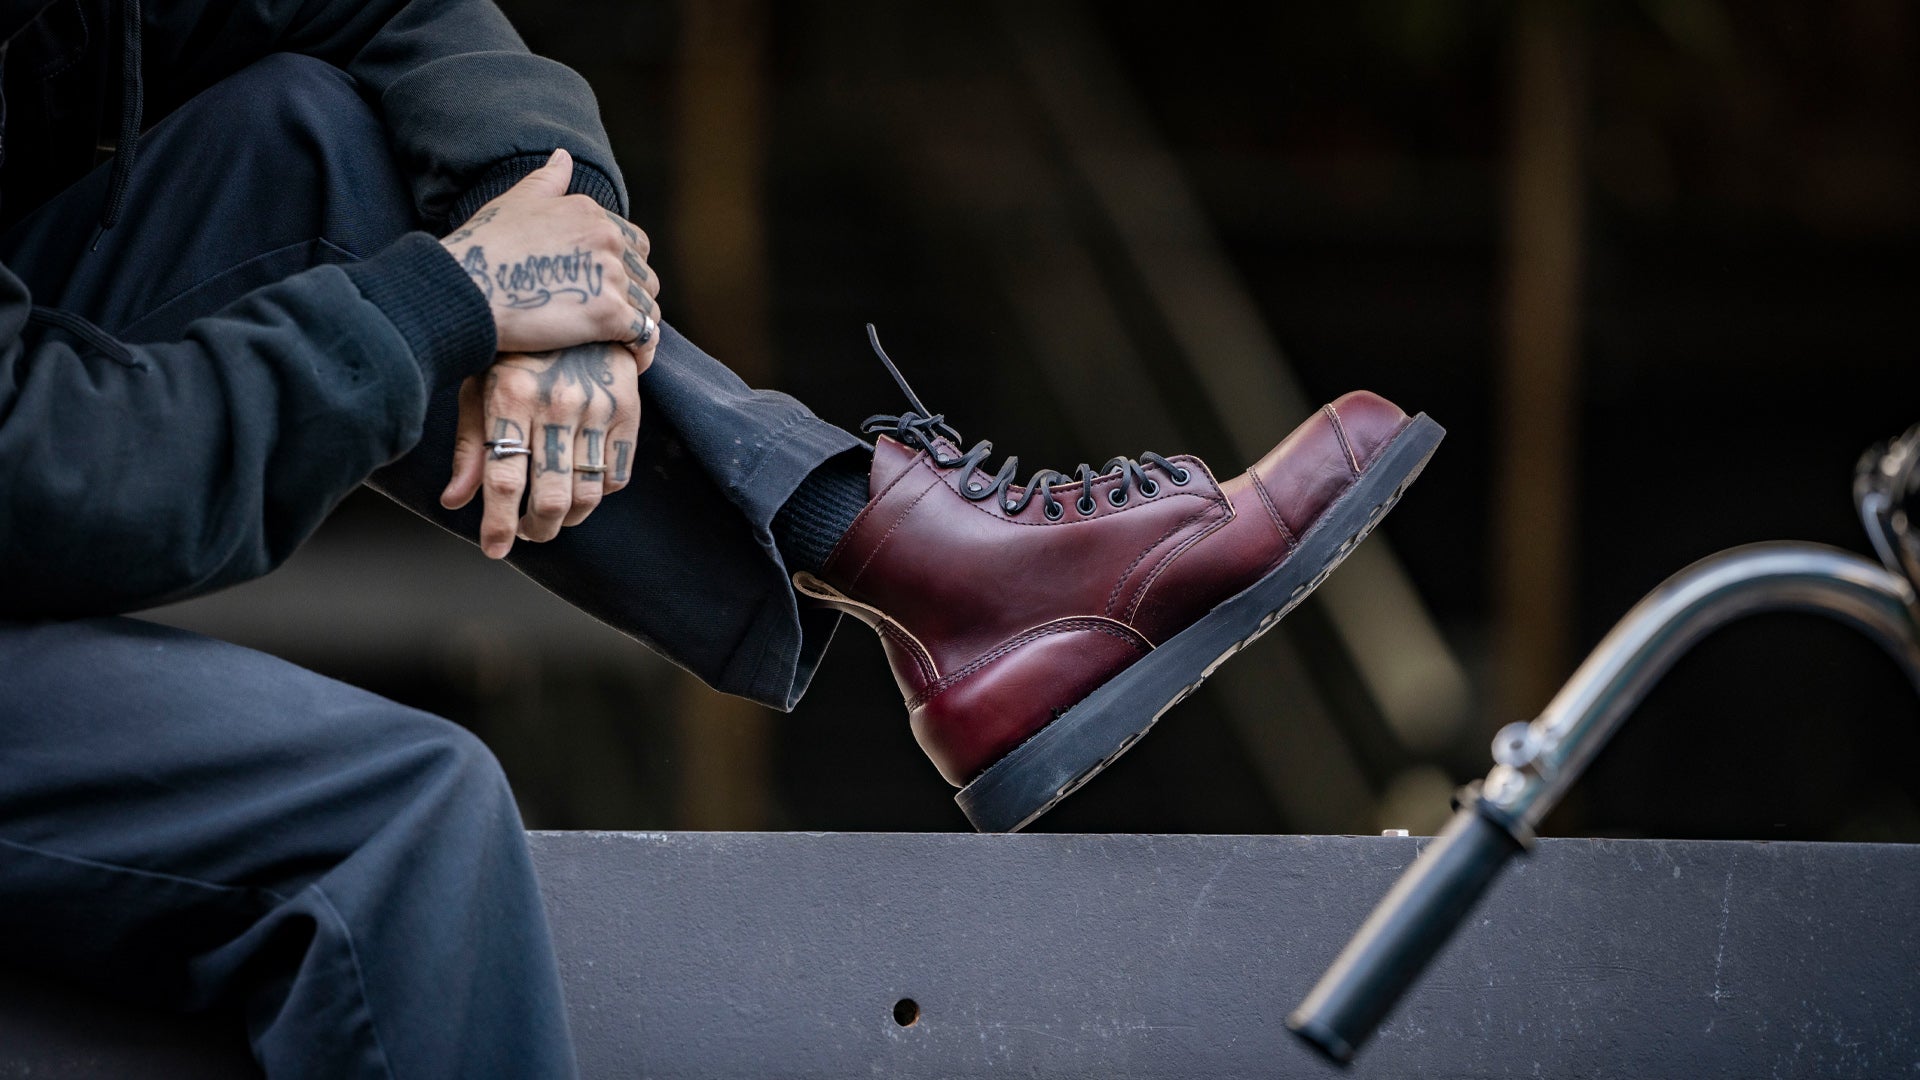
<point x="906" y="1012"/>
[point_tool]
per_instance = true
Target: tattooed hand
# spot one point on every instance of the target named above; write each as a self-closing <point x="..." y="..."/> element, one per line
<point x="557" y="269"/>
<point x="575" y="409"/>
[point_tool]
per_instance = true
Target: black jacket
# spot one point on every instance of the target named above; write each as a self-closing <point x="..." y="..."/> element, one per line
<point x="303" y="387"/>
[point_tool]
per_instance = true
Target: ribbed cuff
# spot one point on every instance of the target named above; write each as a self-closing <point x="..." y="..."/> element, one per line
<point x="821" y="510"/>
<point x="587" y="180"/>
<point x="436" y="307"/>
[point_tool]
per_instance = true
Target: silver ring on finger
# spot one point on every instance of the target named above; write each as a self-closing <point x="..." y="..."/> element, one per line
<point x="498" y="449"/>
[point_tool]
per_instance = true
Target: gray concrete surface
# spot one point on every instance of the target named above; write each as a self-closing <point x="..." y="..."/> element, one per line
<point x="788" y="955"/>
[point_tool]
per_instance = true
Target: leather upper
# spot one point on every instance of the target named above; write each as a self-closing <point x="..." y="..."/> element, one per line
<point x="994" y="624"/>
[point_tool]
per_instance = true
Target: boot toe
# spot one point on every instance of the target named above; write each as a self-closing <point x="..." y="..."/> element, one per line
<point x="1324" y="455"/>
<point x="1367" y="422"/>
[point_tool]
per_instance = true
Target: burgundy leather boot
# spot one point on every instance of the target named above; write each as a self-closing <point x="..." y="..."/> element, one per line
<point x="1038" y="630"/>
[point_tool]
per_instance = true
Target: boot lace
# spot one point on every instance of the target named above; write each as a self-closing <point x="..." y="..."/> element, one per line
<point x="924" y="429"/>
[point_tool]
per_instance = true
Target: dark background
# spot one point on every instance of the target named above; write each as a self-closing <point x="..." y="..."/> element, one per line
<point x="1652" y="264"/>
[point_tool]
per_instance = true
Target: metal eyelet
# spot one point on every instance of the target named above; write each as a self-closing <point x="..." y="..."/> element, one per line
<point x="1180" y="476"/>
<point x="1149" y="488"/>
<point x="1053" y="510"/>
<point x="1117" y="496"/>
<point x="1086" y="505"/>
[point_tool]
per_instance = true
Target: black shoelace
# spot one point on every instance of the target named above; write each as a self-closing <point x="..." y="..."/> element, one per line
<point x="925" y="429"/>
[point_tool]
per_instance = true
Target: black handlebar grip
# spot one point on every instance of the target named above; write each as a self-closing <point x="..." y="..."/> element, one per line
<point x="1396" y="942"/>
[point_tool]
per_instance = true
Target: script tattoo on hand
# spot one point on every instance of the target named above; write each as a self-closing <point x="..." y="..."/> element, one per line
<point x="537" y="279"/>
<point x="595" y="456"/>
<point x="622" y="456"/>
<point x="475" y="264"/>
<point x="556" y="436"/>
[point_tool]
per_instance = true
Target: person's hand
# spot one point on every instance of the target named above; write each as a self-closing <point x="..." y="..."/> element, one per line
<point x="558" y="269"/>
<point x="568" y="418"/>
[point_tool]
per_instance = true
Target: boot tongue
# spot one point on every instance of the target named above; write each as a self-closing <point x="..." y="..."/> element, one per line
<point x="891" y="457"/>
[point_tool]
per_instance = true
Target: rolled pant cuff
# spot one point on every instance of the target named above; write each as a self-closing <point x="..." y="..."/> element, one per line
<point x="776" y="659"/>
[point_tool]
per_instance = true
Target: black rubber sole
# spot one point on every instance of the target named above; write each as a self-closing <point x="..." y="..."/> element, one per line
<point x="1065" y="754"/>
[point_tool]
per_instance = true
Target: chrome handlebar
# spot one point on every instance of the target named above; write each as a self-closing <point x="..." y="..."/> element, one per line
<point x="1536" y="762"/>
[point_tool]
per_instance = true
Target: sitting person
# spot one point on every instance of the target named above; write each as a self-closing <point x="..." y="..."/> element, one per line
<point x="209" y="341"/>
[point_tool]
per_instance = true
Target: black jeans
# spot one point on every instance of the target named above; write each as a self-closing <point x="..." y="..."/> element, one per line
<point x="188" y="822"/>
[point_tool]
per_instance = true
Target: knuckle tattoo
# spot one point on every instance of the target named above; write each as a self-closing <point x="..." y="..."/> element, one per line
<point x="554" y="459"/>
<point x="636" y="267"/>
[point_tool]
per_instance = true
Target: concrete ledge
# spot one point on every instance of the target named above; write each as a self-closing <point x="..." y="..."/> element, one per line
<point x="763" y="954"/>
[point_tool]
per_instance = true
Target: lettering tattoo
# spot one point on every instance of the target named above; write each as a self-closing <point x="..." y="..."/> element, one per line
<point x="595" y="455"/>
<point x="475" y="264"/>
<point x="536" y="280"/>
<point x="640" y="299"/>
<point x="556" y="448"/>
<point x="634" y="266"/>
<point x="622" y="455"/>
<point x="627" y="231"/>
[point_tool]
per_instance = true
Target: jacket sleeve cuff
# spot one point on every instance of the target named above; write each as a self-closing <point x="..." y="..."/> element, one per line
<point x="438" y="310"/>
<point x="588" y="180"/>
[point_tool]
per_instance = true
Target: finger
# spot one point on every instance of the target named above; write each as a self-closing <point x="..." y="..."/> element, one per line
<point x="641" y="300"/>
<point x="645" y="338"/>
<point x="469" y="457"/>
<point x="640" y="273"/>
<point x="624" y="432"/>
<point x="549" y="180"/>
<point x="642" y="329"/>
<point x="551" y="494"/>
<point x="644" y="352"/>
<point x="504" y="478"/>
<point x="631" y="233"/>
<point x="633" y="258"/>
<point x="627" y="315"/>
<point x="646" y="333"/>
<point x="589" y="463"/>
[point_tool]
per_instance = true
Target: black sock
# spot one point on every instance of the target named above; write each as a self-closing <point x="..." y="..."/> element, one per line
<point x="821" y="510"/>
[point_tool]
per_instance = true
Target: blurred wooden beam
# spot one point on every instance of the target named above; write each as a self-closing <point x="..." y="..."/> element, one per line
<point x="717" y="281"/>
<point x="1534" y="542"/>
<point x="717" y="284"/>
